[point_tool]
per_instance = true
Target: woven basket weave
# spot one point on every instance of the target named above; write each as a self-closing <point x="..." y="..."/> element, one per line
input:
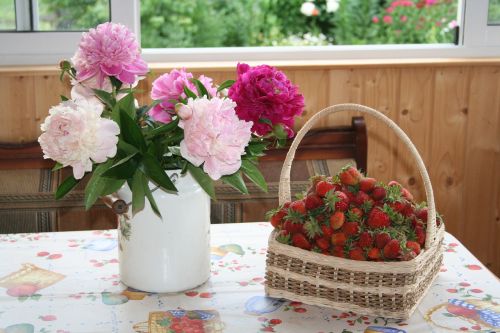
<point x="388" y="289"/>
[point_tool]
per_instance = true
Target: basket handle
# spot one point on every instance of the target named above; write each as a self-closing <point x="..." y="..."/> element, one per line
<point x="284" y="185"/>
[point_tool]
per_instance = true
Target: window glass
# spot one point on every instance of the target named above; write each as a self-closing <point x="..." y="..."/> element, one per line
<point x="494" y="12"/>
<point x="70" y="15"/>
<point x="217" y="23"/>
<point x="7" y="15"/>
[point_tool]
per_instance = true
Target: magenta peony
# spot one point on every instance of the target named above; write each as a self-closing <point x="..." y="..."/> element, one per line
<point x="263" y="92"/>
<point x="213" y="135"/>
<point x="109" y="50"/>
<point x="170" y="87"/>
<point x="74" y="134"/>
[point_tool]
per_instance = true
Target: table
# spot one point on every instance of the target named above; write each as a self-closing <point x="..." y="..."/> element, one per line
<point x="73" y="286"/>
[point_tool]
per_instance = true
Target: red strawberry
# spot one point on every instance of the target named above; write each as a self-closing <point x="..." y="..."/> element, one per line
<point x="293" y="227"/>
<point x="392" y="250"/>
<point x="394" y="183"/>
<point x="406" y="194"/>
<point x="287" y="204"/>
<point x="382" y="239"/>
<point x="339" y="239"/>
<point x="342" y="201"/>
<point x="327" y="231"/>
<point x="277" y="218"/>
<point x="357" y="254"/>
<point x="298" y="206"/>
<point x="367" y="184"/>
<point x="338" y="251"/>
<point x="422" y="213"/>
<point x="374" y="253"/>
<point x="323" y="243"/>
<point x="299" y="240"/>
<point x="323" y="187"/>
<point x="378" y="193"/>
<point x="413" y="246"/>
<point x="365" y="240"/>
<point x="350" y="228"/>
<point x="408" y="211"/>
<point x="313" y="201"/>
<point x="350" y="175"/>
<point x="378" y="218"/>
<point x="337" y="220"/>
<point x="419" y="231"/>
<point x="283" y="237"/>
<point x="357" y="212"/>
<point x="398" y="206"/>
<point x="360" y="198"/>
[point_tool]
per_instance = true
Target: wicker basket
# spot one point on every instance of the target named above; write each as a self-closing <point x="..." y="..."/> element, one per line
<point x="389" y="289"/>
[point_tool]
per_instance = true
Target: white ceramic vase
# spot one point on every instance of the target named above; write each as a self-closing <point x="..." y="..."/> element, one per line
<point x="170" y="254"/>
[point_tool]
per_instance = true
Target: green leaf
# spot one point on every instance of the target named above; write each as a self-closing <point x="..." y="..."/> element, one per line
<point x="131" y="132"/>
<point x="123" y="169"/>
<point x="257" y="148"/>
<point x="138" y="193"/>
<point x="115" y="82"/>
<point x="236" y="181"/>
<point x="64" y="98"/>
<point x="126" y="148"/>
<point x="203" y="179"/>
<point x="279" y="132"/>
<point x="175" y="150"/>
<point x="163" y="128"/>
<point x="105" y="97"/>
<point x="152" y="168"/>
<point x="266" y="121"/>
<point x="57" y="166"/>
<point x="127" y="105"/>
<point x="253" y="173"/>
<point x="150" y="197"/>
<point x="189" y="92"/>
<point x="67" y="185"/>
<point x="225" y="84"/>
<point x="99" y="185"/>
<point x="202" y="91"/>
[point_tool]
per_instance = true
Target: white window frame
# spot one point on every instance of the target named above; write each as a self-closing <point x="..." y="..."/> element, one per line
<point x="476" y="39"/>
<point x="40" y="48"/>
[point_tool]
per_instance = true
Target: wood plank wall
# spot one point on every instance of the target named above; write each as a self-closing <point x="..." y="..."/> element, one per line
<point x="451" y="111"/>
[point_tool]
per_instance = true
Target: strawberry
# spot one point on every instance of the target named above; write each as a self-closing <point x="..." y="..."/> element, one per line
<point x="357" y="254"/>
<point x="283" y="237"/>
<point x="338" y="201"/>
<point x="392" y="250"/>
<point x="339" y="239"/>
<point x="365" y="240"/>
<point x="349" y="175"/>
<point x="360" y="198"/>
<point x="379" y="193"/>
<point x="420" y="233"/>
<point x="414" y="246"/>
<point x="327" y="230"/>
<point x="323" y="243"/>
<point x="382" y="239"/>
<point x="298" y="206"/>
<point x="408" y="211"/>
<point x="398" y="206"/>
<point x="378" y="218"/>
<point x="422" y="214"/>
<point x="356" y="212"/>
<point x="406" y="194"/>
<point x="313" y="201"/>
<point x="367" y="184"/>
<point x="299" y="240"/>
<point x="338" y="251"/>
<point x="394" y="183"/>
<point x="277" y="218"/>
<point x="293" y="227"/>
<point x="350" y="228"/>
<point x="373" y="253"/>
<point x="337" y="220"/>
<point x="323" y="187"/>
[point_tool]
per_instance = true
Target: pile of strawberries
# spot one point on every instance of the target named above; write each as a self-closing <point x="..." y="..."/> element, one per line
<point x="355" y="217"/>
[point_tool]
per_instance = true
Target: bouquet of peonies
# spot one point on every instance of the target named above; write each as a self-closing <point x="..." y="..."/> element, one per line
<point x="211" y="131"/>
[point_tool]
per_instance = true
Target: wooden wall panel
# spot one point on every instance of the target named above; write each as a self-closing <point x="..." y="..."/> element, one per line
<point x="414" y="116"/>
<point x="448" y="134"/>
<point x="448" y="110"/>
<point x="481" y="167"/>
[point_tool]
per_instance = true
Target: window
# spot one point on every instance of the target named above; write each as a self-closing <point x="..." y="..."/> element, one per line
<point x="230" y="30"/>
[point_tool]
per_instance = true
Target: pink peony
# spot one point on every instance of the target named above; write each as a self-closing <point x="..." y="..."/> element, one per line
<point x="213" y="135"/>
<point x="109" y="50"/>
<point x="263" y="92"/>
<point x="375" y="19"/>
<point x="74" y="134"/>
<point x="170" y="87"/>
<point x="387" y="19"/>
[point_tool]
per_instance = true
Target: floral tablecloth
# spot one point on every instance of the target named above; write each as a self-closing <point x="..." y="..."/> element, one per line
<point x="68" y="282"/>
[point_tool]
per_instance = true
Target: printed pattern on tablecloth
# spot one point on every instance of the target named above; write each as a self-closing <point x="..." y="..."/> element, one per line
<point x="69" y="282"/>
